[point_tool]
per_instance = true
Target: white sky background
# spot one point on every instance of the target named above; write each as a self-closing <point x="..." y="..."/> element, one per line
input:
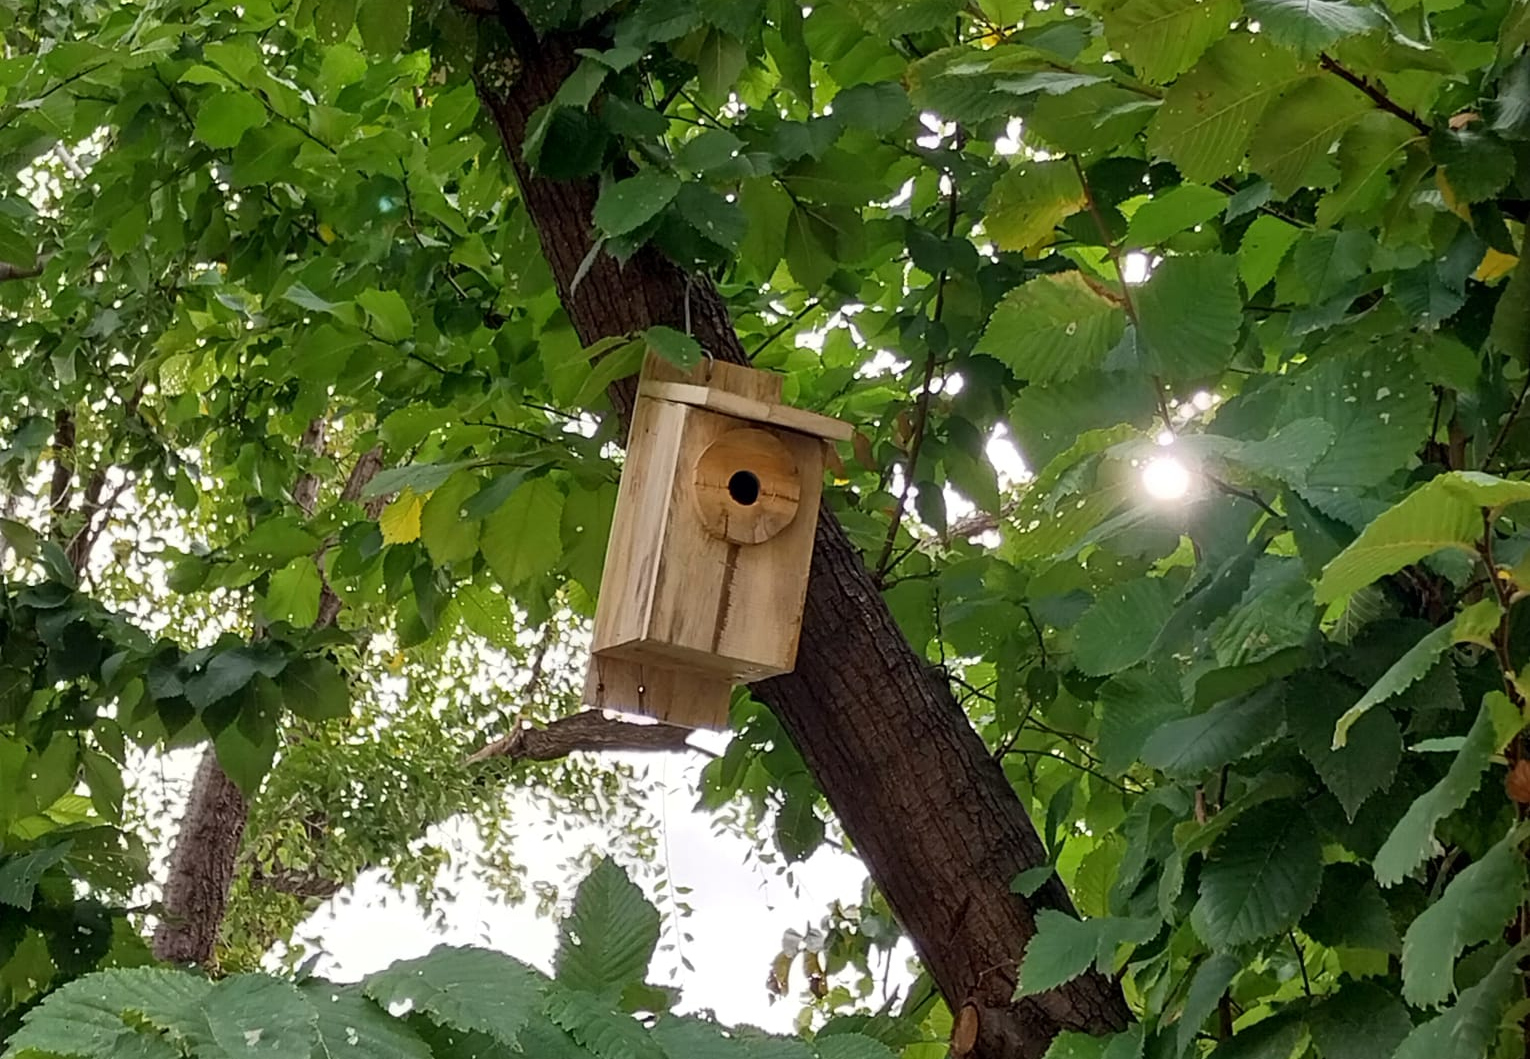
<point x="741" y="909"/>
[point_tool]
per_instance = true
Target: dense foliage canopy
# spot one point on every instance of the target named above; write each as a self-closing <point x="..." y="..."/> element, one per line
<point x="1241" y="282"/>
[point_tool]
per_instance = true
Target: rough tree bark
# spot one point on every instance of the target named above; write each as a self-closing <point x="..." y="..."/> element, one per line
<point x="930" y="812"/>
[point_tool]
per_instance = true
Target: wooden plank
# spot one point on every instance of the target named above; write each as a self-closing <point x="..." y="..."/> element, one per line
<point x="799" y="420"/>
<point x="674" y="696"/>
<point x="717" y="374"/>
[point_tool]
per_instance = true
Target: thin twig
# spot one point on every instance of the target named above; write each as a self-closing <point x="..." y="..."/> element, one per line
<point x="786" y="326"/>
<point x="1301" y="961"/>
<point x="1508" y="423"/>
<point x="1242" y="494"/>
<point x="1376" y="95"/>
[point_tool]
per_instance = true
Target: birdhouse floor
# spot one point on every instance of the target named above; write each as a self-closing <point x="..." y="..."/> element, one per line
<point x="674" y="696"/>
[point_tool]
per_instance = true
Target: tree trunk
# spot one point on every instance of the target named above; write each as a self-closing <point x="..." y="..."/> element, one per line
<point x="930" y="812"/>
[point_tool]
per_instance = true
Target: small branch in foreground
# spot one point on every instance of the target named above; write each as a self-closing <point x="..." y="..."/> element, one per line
<point x="1508" y="423"/>
<point x="590" y="730"/>
<point x="1375" y="94"/>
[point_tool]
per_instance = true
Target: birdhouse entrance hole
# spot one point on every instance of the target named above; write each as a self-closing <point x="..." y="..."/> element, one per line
<point x="744" y="487"/>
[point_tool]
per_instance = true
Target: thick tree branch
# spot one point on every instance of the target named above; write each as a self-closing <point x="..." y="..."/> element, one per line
<point x="589" y="730"/>
<point x="931" y="814"/>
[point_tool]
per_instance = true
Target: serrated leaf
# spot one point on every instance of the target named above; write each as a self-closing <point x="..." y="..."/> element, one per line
<point x="293" y="593"/>
<point x="260" y="1015"/>
<point x="278" y="541"/>
<point x="607" y="940"/>
<point x="1133" y="705"/>
<point x="1412" y="840"/>
<point x="1264" y="247"/>
<point x="1029" y="200"/>
<point x="1432" y="518"/>
<point x="388" y="312"/>
<point x="1261" y="877"/>
<point x="1208" y="117"/>
<point x="1350" y="912"/>
<point x="1353" y="771"/>
<point x="20" y="872"/>
<point x="1467" y="1030"/>
<point x="851" y="1046"/>
<point x="315" y="689"/>
<point x="384" y="26"/>
<point x="1360" y="1021"/>
<point x="808" y="248"/>
<point x="91" y="1015"/>
<point x="445" y="530"/>
<point x="1367" y="155"/>
<point x="1163" y="38"/>
<point x="1476" y="165"/>
<point x="1189" y="314"/>
<point x="1064" y="947"/>
<point x="1211" y="980"/>
<point x="1052" y="328"/>
<point x="627" y="205"/>
<point x="223" y="120"/>
<point x="1117" y="631"/>
<point x="1221" y="735"/>
<point x="605" y="1033"/>
<point x="1328" y="261"/>
<point x="1473" y="908"/>
<point x="352" y="1027"/>
<point x="400" y="520"/>
<point x="1296" y="136"/>
<point x="521" y="539"/>
<point x="1177" y="210"/>
<point x="1309" y="26"/>
<point x="677" y="347"/>
<point x="467" y="988"/>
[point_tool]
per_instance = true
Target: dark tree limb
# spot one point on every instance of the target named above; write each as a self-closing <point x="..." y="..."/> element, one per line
<point x="590" y="730"/>
<point x="930" y="813"/>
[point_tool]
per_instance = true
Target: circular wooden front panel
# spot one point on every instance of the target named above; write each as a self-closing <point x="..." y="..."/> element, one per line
<point x="747" y="487"/>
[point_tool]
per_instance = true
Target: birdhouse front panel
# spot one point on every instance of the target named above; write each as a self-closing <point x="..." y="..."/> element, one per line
<point x="706" y="570"/>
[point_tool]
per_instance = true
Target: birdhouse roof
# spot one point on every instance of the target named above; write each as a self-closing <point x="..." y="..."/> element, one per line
<point x="733" y="390"/>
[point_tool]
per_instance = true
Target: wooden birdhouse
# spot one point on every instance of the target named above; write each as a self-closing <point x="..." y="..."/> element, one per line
<point x="706" y="571"/>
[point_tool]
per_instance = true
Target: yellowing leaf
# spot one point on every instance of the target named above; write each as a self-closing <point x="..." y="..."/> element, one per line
<point x="1029" y="201"/>
<point x="326" y="234"/>
<point x="400" y="520"/>
<point x="1494" y="263"/>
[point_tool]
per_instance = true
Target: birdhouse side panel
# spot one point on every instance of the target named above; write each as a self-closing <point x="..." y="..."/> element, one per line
<point x="729" y="605"/>
<point x="638" y="528"/>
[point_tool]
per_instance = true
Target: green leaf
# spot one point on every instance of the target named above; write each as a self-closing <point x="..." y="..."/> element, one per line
<point x="1029" y="200"/>
<point x="19" y="874"/>
<point x="1353" y="771"/>
<point x="1211" y="980"/>
<point x="1133" y="705"/>
<point x="1411" y="667"/>
<point x="809" y="248"/>
<point x="390" y="316"/>
<point x="1053" y="327"/>
<point x="1189" y="314"/>
<point x="100" y="1014"/>
<point x="293" y="595"/>
<point x="607" y="940"/>
<point x="851" y="1046"/>
<point x="223" y="120"/>
<point x="1309" y="26"/>
<point x="1434" y="517"/>
<point x="315" y="689"/>
<point x="230" y="670"/>
<point x="1117" y="631"/>
<point x="1467" y="1030"/>
<point x="1328" y="261"/>
<point x="627" y="205"/>
<point x="718" y="65"/>
<point x="708" y="149"/>
<point x="255" y="1013"/>
<point x="1290" y="148"/>
<point x="384" y="26"/>
<point x="605" y="1034"/>
<point x="445" y="530"/>
<point x="278" y="541"/>
<point x="247" y="747"/>
<point x="352" y="1027"/>
<point x="466" y="988"/>
<point x="789" y="50"/>
<point x="1221" y="735"/>
<point x="677" y="347"/>
<point x="1163" y="38"/>
<point x="1064" y="947"/>
<point x="1474" y="908"/>
<point x="1177" y="210"/>
<point x="880" y="108"/>
<point x="1261" y="878"/>
<point x="1350" y="912"/>
<point x="521" y="539"/>
<point x="1367" y="155"/>
<point x="1209" y="115"/>
<point x="1412" y="840"/>
<point x="1477" y="165"/>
